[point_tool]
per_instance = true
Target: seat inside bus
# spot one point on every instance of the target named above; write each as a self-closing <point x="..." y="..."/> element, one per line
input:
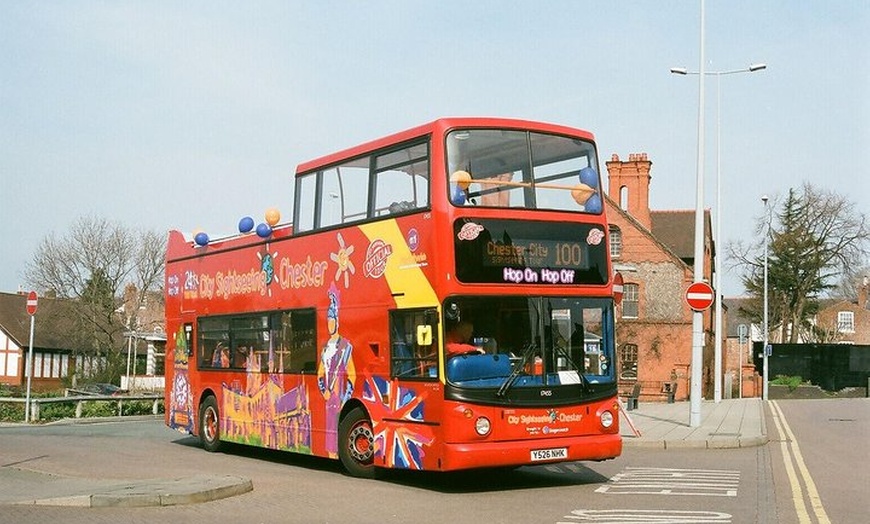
<point x="465" y="368"/>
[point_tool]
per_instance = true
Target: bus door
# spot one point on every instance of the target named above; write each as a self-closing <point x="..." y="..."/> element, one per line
<point x="414" y="362"/>
<point x="414" y="343"/>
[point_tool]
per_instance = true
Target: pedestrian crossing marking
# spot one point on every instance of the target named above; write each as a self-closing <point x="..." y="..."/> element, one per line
<point x="673" y="481"/>
<point x="646" y="516"/>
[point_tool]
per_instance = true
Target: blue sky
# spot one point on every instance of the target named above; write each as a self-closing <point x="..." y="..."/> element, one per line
<point x="191" y="115"/>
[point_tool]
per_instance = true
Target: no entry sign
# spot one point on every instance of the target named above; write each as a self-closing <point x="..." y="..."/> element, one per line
<point x="617" y="288"/>
<point x="700" y="296"/>
<point x="31" y="303"/>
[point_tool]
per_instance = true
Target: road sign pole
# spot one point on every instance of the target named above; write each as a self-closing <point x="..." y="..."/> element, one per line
<point x="31" y="304"/>
<point x="29" y="365"/>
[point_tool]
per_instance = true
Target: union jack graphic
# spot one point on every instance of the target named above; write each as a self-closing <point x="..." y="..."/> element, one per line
<point x="398" y="443"/>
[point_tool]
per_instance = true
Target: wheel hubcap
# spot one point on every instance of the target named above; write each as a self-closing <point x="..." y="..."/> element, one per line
<point x="210" y="424"/>
<point x="361" y="443"/>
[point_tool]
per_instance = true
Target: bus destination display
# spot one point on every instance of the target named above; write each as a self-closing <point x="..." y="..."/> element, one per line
<point x="506" y="251"/>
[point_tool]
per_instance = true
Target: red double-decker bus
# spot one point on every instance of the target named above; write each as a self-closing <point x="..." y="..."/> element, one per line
<point x="443" y="300"/>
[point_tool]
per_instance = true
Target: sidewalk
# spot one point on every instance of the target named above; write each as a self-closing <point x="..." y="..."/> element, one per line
<point x="24" y="487"/>
<point x="733" y="423"/>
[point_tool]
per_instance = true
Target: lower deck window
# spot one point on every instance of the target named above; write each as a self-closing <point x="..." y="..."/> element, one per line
<point x="274" y="342"/>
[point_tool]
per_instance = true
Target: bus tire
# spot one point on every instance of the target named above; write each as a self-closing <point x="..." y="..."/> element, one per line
<point x="209" y="424"/>
<point x="356" y="444"/>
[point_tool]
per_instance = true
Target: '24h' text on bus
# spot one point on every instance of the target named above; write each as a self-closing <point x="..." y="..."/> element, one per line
<point x="443" y="300"/>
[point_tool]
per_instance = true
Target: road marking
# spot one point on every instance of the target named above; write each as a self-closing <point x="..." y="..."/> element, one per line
<point x="673" y="481"/>
<point x="645" y="516"/>
<point x="793" y="453"/>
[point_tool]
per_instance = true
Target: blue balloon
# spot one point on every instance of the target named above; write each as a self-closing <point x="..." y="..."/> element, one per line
<point x="263" y="230"/>
<point x="593" y="205"/>
<point x="457" y="195"/>
<point x="589" y="176"/>
<point x="201" y="239"/>
<point x="246" y="224"/>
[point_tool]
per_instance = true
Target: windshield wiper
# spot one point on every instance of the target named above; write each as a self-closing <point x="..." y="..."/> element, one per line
<point x="528" y="350"/>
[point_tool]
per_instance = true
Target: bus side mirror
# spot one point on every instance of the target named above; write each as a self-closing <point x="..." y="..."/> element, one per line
<point x="424" y="335"/>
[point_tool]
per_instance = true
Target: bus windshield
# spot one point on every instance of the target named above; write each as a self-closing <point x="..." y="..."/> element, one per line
<point x="522" y="169"/>
<point x="513" y="342"/>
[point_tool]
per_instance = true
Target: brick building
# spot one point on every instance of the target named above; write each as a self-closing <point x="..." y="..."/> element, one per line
<point x="847" y="321"/>
<point x="654" y="251"/>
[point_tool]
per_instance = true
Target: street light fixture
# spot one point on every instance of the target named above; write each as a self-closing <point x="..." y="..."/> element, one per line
<point x="717" y="284"/>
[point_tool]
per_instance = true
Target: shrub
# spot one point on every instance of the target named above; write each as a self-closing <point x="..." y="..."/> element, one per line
<point x="785" y="380"/>
<point x="11" y="412"/>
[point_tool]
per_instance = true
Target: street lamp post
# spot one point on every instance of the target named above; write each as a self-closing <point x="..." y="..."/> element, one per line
<point x="717" y="276"/>
<point x="764" y="326"/>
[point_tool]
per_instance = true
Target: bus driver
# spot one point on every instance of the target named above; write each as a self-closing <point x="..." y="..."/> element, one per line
<point x="458" y="336"/>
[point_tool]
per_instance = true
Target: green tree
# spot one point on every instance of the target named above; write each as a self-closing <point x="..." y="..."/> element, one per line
<point x="814" y="240"/>
<point x="93" y="264"/>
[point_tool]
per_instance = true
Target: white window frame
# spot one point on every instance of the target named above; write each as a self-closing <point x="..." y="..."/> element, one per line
<point x="615" y="242"/>
<point x="631" y="294"/>
<point x="846" y="321"/>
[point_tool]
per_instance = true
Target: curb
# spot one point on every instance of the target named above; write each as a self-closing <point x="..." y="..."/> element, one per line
<point x="728" y="443"/>
<point x="150" y="493"/>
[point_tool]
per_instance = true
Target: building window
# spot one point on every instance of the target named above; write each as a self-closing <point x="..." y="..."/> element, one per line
<point x="630" y="300"/>
<point x="615" y="242"/>
<point x="628" y="362"/>
<point x="846" y="322"/>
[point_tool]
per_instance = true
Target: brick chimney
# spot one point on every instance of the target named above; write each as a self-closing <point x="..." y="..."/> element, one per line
<point x="628" y="185"/>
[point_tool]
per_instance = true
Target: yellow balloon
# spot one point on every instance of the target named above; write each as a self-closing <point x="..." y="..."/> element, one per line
<point x="581" y="193"/>
<point x="273" y="216"/>
<point x="461" y="179"/>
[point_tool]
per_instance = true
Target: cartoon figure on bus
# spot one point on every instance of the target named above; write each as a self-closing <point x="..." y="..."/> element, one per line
<point x="336" y="373"/>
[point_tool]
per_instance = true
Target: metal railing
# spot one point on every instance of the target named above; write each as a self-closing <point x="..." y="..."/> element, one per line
<point x="81" y="400"/>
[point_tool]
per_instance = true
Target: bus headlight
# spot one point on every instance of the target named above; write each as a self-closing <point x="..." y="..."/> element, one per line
<point x="482" y="426"/>
<point x="607" y="419"/>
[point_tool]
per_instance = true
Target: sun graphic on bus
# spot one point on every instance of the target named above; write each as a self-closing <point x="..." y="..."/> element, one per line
<point x="267" y="266"/>
<point x="342" y="258"/>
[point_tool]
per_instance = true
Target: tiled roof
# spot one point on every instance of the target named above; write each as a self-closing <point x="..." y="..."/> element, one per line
<point x="736" y="314"/>
<point x="676" y="229"/>
<point x="53" y="321"/>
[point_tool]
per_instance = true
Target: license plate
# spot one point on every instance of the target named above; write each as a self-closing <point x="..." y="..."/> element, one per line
<point x="549" y="454"/>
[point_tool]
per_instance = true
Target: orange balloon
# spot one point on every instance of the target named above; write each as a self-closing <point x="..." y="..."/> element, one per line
<point x="461" y="179"/>
<point x="273" y="216"/>
<point x="581" y="193"/>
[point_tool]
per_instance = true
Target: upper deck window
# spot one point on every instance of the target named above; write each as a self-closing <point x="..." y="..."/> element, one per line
<point x="521" y="169"/>
<point x="386" y="182"/>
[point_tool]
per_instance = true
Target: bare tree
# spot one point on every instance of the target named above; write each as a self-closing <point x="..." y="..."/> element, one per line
<point x="92" y="265"/>
<point x="814" y="241"/>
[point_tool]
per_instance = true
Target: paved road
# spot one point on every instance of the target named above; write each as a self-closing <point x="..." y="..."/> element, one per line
<point x="728" y="485"/>
<point x="821" y="459"/>
<point x="761" y="483"/>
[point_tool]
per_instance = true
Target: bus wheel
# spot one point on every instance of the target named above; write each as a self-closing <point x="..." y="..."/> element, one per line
<point x="356" y="444"/>
<point x="209" y="425"/>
